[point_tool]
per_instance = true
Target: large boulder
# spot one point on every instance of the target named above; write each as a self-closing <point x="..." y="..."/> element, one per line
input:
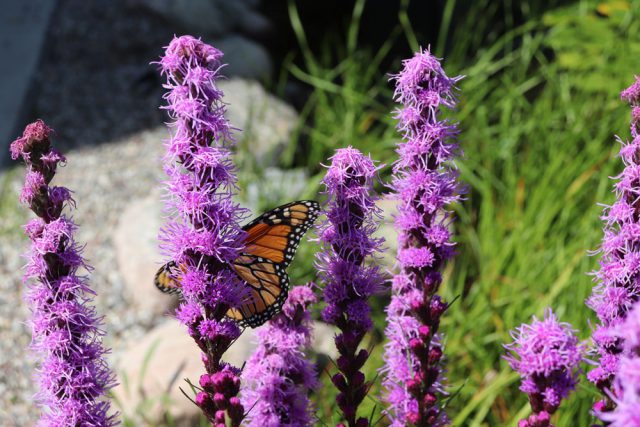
<point x="266" y="122"/>
<point x="244" y="58"/>
<point x="200" y="17"/>
<point x="151" y="372"/>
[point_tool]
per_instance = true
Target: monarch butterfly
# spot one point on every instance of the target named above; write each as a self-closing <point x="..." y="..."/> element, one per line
<point x="270" y="245"/>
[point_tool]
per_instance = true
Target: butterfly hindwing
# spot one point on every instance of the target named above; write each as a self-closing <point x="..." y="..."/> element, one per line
<point x="275" y="235"/>
<point x="167" y="279"/>
<point x="268" y="285"/>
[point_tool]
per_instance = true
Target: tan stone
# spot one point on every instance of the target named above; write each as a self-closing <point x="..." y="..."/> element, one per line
<point x="388" y="232"/>
<point x="267" y="122"/>
<point x="152" y="370"/>
<point x="138" y="256"/>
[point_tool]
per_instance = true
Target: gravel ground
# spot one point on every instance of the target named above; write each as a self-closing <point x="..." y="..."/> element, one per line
<point x="95" y="86"/>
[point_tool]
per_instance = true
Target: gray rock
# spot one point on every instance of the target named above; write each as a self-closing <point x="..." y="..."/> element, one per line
<point x="199" y="17"/>
<point x="323" y="340"/>
<point x="255" y="24"/>
<point x="151" y="372"/>
<point x="267" y="123"/>
<point x="245" y="58"/>
<point x="251" y="3"/>
<point x="136" y="247"/>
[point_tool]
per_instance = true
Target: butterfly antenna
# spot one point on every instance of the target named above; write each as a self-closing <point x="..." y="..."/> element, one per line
<point x="251" y="409"/>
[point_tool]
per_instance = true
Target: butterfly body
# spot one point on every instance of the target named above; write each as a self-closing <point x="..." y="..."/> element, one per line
<point x="269" y="247"/>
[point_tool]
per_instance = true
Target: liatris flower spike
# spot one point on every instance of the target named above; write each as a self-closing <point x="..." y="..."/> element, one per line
<point x="618" y="289"/>
<point x="203" y="236"/>
<point x="73" y="376"/>
<point x="346" y="236"/>
<point x="424" y="183"/>
<point x="546" y="354"/>
<point x="278" y="376"/>
<point x="626" y="387"/>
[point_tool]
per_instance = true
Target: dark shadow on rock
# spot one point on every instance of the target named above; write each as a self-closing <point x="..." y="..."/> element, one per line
<point x="95" y="82"/>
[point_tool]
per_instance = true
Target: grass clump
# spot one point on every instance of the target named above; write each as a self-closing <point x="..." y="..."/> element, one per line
<point x="539" y="111"/>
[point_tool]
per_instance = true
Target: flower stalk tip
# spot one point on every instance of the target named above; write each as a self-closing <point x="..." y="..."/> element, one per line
<point x="547" y="355"/>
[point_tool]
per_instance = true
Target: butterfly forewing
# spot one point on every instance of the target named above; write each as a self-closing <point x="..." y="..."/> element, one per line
<point x="276" y="234"/>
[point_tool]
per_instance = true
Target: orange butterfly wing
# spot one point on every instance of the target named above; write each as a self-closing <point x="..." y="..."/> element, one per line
<point x="270" y="245"/>
<point x="275" y="235"/>
<point x="167" y="279"/>
<point x="268" y="289"/>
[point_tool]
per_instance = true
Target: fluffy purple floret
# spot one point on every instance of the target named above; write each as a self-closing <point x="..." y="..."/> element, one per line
<point x="618" y="288"/>
<point x="626" y="387"/>
<point x="546" y="354"/>
<point x="73" y="375"/>
<point x="278" y="376"/>
<point x="352" y="218"/>
<point x="425" y="183"/>
<point x="202" y="234"/>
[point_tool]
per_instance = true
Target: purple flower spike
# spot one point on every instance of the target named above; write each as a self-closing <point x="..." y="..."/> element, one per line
<point x="546" y="354"/>
<point x="424" y="183"/>
<point x="626" y="387"/>
<point x="73" y="375"/>
<point x="203" y="236"/>
<point x="618" y="288"/>
<point x="346" y="236"/>
<point x="278" y="377"/>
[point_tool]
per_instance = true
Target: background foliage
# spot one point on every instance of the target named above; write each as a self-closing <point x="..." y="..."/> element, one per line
<point x="539" y="110"/>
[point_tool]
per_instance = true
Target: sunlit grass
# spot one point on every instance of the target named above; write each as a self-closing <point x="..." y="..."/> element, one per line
<point x="538" y="136"/>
